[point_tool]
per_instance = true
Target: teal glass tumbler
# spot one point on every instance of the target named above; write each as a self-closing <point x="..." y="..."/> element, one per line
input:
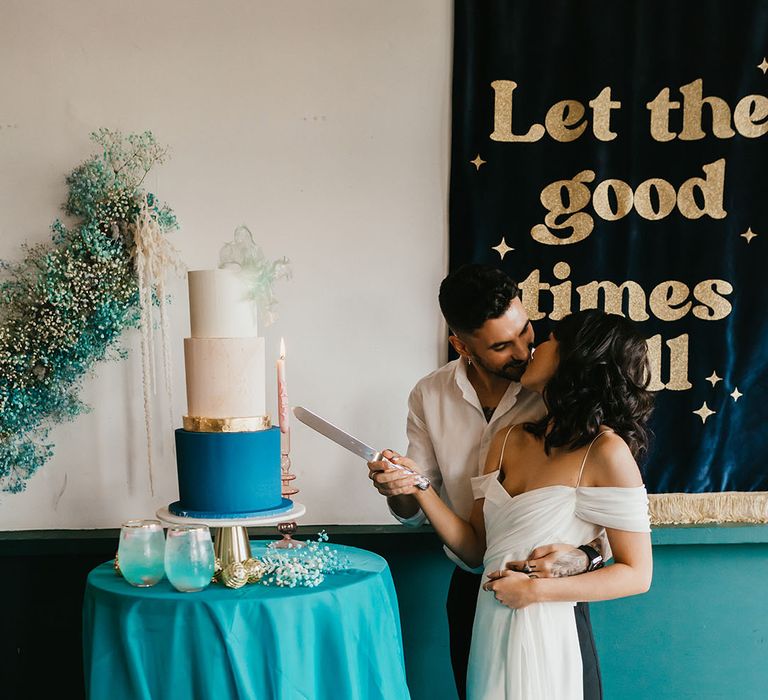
<point x="141" y="551"/>
<point x="189" y="558"/>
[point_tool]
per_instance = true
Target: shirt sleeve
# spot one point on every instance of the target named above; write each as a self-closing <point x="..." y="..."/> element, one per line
<point x="421" y="451"/>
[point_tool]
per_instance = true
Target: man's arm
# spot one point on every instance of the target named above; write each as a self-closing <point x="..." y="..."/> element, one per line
<point x="403" y="507"/>
<point x="421" y="450"/>
<point x="559" y="560"/>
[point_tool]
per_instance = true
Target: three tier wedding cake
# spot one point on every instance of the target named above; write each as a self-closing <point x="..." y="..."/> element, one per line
<point x="227" y="453"/>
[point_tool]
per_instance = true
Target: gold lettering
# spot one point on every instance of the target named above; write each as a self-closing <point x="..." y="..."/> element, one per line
<point x="530" y="288"/>
<point x="654" y="360"/>
<point x="660" y="107"/>
<point x="502" y="115"/>
<point x="601" y="115"/>
<point x="578" y="197"/>
<point x="667" y="300"/>
<point x="623" y="194"/>
<point x="751" y="116"/>
<point x="693" y="103"/>
<point x="714" y="306"/>
<point x="614" y="298"/>
<point x="561" y="117"/>
<point x="711" y="190"/>
<point x="561" y="293"/>
<point x="665" y="194"/>
<point x="678" y="363"/>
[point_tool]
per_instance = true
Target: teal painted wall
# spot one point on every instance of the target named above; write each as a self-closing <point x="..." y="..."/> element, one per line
<point x="701" y="632"/>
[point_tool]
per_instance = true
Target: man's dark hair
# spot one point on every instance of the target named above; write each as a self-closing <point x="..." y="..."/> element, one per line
<point x="472" y="294"/>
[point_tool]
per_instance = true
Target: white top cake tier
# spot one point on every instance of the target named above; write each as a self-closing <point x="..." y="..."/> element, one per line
<point x="219" y="307"/>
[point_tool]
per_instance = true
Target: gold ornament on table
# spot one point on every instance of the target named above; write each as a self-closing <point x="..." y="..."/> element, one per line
<point x="116" y="566"/>
<point x="234" y="575"/>
<point x="255" y="569"/>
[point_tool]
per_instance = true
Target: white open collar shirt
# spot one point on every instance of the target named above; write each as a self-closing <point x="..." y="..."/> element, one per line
<point x="449" y="437"/>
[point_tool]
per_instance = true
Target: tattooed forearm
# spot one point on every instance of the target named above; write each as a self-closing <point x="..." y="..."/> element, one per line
<point x="570" y="563"/>
<point x="602" y="546"/>
<point x="575" y="561"/>
<point x="599" y="544"/>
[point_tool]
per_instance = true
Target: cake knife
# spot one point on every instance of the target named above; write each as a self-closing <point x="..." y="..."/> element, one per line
<point x="351" y="443"/>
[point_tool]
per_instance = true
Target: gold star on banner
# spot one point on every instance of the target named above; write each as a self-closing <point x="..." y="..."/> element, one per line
<point x="704" y="412"/>
<point x="749" y="235"/>
<point x="714" y="379"/>
<point x="478" y="161"/>
<point x="736" y="395"/>
<point x="502" y="249"/>
<point x="763" y="66"/>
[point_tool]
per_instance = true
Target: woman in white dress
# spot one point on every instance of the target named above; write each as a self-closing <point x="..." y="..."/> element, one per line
<point x="562" y="479"/>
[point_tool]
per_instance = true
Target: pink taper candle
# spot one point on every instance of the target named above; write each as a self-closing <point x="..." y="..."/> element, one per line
<point x="282" y="390"/>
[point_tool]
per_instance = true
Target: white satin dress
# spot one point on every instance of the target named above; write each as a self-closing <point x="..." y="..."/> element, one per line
<point x="533" y="653"/>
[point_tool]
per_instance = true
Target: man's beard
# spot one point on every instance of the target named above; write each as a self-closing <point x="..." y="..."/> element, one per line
<point x="512" y="371"/>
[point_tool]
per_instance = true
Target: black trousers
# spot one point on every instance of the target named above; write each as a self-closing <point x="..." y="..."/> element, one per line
<point x="460" y="605"/>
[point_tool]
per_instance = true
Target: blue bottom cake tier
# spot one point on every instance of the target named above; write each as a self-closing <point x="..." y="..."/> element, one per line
<point x="229" y="475"/>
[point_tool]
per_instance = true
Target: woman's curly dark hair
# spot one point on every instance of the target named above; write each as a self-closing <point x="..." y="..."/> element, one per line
<point x="601" y="379"/>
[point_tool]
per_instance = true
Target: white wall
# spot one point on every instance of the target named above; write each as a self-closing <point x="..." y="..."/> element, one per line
<point x="322" y="125"/>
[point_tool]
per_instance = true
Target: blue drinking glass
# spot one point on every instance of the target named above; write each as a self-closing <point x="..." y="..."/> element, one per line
<point x="189" y="559"/>
<point x="141" y="551"/>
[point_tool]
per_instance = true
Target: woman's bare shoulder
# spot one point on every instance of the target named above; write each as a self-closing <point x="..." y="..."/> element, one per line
<point x="611" y="463"/>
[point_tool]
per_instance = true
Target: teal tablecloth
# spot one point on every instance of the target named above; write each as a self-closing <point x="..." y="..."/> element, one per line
<point x="339" y="641"/>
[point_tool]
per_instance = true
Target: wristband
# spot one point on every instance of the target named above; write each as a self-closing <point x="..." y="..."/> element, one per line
<point x="594" y="558"/>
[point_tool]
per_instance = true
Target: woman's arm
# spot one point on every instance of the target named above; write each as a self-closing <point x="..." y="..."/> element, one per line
<point x="465" y="539"/>
<point x="630" y="574"/>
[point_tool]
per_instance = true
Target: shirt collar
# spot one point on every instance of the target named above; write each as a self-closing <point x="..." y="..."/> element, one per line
<point x="470" y="395"/>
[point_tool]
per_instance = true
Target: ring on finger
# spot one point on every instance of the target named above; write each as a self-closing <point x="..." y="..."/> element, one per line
<point x="526" y="569"/>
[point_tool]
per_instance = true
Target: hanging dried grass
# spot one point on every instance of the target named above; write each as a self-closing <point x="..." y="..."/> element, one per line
<point x="154" y="258"/>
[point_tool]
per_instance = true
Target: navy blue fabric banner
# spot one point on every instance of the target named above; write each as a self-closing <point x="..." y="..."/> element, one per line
<point x="615" y="155"/>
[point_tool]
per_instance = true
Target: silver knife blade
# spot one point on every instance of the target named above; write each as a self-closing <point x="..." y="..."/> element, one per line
<point x="339" y="436"/>
<point x="344" y="439"/>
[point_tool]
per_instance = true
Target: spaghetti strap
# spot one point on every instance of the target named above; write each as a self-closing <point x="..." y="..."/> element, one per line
<point x="504" y="444"/>
<point x="586" y="454"/>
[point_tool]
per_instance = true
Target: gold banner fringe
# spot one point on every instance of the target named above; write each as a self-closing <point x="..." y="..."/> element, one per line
<point x="700" y="508"/>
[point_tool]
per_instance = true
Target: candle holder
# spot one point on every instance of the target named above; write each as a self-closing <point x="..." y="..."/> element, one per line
<point x="287" y="529"/>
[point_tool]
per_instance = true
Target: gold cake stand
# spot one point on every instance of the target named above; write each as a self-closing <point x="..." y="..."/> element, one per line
<point x="230" y="541"/>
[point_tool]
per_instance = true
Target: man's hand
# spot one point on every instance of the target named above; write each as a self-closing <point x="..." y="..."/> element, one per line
<point x="511" y="589"/>
<point x="390" y="481"/>
<point x="552" y="561"/>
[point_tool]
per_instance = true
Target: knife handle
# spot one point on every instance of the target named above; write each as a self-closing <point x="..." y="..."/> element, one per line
<point x="422" y="482"/>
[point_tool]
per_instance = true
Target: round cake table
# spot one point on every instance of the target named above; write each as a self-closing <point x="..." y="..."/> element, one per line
<point x="339" y="641"/>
